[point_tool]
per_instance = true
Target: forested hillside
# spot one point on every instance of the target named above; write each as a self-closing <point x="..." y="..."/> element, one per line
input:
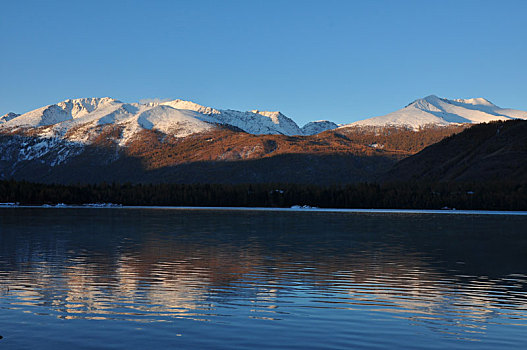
<point x="224" y="155"/>
<point x="495" y="151"/>
<point x="501" y="195"/>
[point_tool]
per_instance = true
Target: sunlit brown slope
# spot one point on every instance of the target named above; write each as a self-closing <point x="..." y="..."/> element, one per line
<point x="222" y="155"/>
<point x="158" y="150"/>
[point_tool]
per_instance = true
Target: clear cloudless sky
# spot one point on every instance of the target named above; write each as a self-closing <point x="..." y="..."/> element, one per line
<point x="336" y="60"/>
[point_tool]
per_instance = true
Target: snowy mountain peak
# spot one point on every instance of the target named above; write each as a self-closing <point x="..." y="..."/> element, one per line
<point x="426" y="102"/>
<point x="253" y="122"/>
<point x="82" y="120"/>
<point x="431" y="98"/>
<point x="475" y="101"/>
<point x="318" y="126"/>
<point x="433" y="110"/>
<point x="274" y="116"/>
<point x="191" y="106"/>
<point x="7" y="117"/>
<point x="93" y="101"/>
<point x="81" y="106"/>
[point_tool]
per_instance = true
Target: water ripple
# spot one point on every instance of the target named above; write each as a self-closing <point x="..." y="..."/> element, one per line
<point x="369" y="280"/>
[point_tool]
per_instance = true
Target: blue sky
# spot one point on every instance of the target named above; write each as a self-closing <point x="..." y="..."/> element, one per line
<point x="336" y="60"/>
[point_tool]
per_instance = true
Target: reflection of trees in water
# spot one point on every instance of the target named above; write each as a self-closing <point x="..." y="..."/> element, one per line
<point x="442" y="272"/>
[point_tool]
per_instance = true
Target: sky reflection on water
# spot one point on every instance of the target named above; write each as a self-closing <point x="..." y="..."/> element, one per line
<point x="237" y="279"/>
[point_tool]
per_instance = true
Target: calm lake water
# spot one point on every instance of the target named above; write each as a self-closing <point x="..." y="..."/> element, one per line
<point x="154" y="278"/>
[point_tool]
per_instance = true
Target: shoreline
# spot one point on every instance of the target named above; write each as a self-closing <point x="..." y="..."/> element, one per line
<point x="301" y="210"/>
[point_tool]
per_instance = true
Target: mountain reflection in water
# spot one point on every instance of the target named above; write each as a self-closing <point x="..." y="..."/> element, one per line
<point x="458" y="278"/>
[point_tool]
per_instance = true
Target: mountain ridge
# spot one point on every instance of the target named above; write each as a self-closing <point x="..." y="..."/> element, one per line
<point x="177" y="117"/>
<point x="441" y="111"/>
<point x="189" y="117"/>
<point x="73" y="138"/>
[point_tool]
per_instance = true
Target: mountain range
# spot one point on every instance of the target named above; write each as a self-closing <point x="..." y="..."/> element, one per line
<point x="81" y="120"/>
<point x="103" y="139"/>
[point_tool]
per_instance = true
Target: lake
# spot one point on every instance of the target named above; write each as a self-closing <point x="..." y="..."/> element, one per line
<point x="205" y="279"/>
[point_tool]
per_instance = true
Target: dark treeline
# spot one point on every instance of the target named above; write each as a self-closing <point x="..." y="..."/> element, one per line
<point x="407" y="195"/>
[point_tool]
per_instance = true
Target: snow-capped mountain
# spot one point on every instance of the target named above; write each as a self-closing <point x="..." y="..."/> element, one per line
<point x="433" y="110"/>
<point x="7" y="117"/>
<point x="103" y="129"/>
<point x="253" y="122"/>
<point x="81" y="120"/>
<point x="103" y="139"/>
<point x="318" y="126"/>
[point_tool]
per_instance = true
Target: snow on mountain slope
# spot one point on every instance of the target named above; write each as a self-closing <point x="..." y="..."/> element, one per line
<point x="80" y="120"/>
<point x="252" y="122"/>
<point x="60" y="112"/>
<point x="172" y="121"/>
<point x="318" y="126"/>
<point x="433" y="110"/>
<point x="7" y="117"/>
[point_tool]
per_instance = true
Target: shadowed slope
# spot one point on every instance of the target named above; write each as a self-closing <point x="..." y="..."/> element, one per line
<point x="223" y="155"/>
<point x="493" y="151"/>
